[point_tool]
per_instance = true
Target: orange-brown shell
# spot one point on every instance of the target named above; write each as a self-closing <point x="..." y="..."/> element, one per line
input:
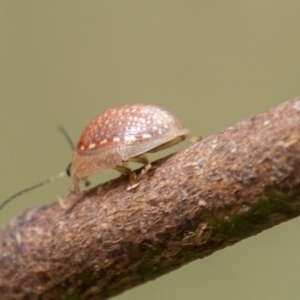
<point x="121" y="133"/>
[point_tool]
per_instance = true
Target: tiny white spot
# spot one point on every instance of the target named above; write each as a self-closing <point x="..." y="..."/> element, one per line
<point x="113" y="112"/>
<point x="130" y="119"/>
<point x="129" y="138"/>
<point x="82" y="148"/>
<point x="154" y="127"/>
<point x="214" y="144"/>
<point x="116" y="139"/>
<point x="159" y="131"/>
<point x="91" y="146"/>
<point x="202" y="203"/>
<point x="297" y="105"/>
<point x="233" y="149"/>
<point x="120" y="123"/>
<point x="103" y="141"/>
<point x="146" y="136"/>
<point x="266" y="122"/>
<point x="18" y="237"/>
<point x="133" y="110"/>
<point x="159" y="121"/>
<point x="142" y="120"/>
<point x="166" y="126"/>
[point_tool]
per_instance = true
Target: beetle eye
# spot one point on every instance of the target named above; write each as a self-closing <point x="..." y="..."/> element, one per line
<point x="68" y="169"/>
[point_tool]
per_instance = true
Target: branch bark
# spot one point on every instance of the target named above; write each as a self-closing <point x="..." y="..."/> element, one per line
<point x="211" y="195"/>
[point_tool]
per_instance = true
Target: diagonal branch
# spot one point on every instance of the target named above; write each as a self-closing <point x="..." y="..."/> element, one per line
<point x="211" y="195"/>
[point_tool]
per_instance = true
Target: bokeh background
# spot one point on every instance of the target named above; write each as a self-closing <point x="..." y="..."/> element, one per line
<point x="212" y="63"/>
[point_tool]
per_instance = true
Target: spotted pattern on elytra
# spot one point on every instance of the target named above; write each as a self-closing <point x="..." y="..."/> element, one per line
<point x="124" y="132"/>
<point x="128" y="123"/>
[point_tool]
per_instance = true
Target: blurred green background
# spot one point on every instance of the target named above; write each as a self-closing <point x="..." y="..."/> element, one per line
<point x="212" y="63"/>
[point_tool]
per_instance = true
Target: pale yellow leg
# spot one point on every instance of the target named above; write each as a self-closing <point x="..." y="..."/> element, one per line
<point x="141" y="159"/>
<point x="61" y="202"/>
<point x="75" y="187"/>
<point x="195" y="139"/>
<point x="132" y="176"/>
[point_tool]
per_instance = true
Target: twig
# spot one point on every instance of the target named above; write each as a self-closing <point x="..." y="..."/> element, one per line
<point x="211" y="195"/>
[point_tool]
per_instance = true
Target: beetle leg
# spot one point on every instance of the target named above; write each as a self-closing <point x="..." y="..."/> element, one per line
<point x="195" y="139"/>
<point x="126" y="171"/>
<point x="75" y="186"/>
<point x="141" y="159"/>
<point x="61" y="202"/>
<point x="132" y="176"/>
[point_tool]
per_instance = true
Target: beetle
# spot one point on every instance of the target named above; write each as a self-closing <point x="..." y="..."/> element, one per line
<point x="117" y="136"/>
<point x="124" y="134"/>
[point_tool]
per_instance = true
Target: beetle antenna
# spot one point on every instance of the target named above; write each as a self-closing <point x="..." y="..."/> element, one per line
<point x="67" y="136"/>
<point x="62" y="174"/>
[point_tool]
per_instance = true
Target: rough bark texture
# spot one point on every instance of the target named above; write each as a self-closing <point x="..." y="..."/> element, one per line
<point x="211" y="195"/>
